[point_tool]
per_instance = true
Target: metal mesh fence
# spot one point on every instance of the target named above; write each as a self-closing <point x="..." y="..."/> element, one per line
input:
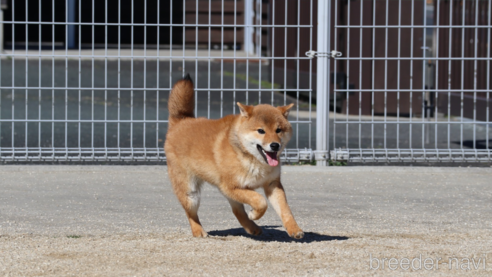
<point x="372" y="81"/>
<point x="413" y="83"/>
<point x="89" y="80"/>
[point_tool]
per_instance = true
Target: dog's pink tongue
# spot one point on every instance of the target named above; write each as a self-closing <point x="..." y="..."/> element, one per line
<point x="272" y="158"/>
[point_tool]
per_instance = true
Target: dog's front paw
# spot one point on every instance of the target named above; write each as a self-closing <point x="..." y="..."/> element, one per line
<point x="298" y="234"/>
<point x="295" y="232"/>
<point x="256" y="214"/>
<point x="258" y="209"/>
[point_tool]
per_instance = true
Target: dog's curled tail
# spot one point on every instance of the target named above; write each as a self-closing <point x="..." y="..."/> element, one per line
<point x="181" y="101"/>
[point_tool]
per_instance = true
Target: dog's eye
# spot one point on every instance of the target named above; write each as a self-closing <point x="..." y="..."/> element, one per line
<point x="278" y="130"/>
<point x="261" y="131"/>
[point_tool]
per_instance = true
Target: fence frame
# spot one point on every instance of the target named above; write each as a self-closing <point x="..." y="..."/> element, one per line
<point x="431" y="135"/>
<point x="436" y="143"/>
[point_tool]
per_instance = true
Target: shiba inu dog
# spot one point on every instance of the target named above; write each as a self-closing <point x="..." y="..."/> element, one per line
<point x="237" y="153"/>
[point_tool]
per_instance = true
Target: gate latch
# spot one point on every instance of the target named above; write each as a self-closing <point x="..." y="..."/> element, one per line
<point x="334" y="53"/>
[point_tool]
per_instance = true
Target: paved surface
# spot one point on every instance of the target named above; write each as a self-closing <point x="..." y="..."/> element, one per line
<point x="116" y="220"/>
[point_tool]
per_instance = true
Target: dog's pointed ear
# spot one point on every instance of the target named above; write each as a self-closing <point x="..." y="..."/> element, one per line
<point x="285" y="109"/>
<point x="245" y="110"/>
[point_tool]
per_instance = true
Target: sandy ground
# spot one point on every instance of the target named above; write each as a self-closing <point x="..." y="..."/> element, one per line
<point x="124" y="221"/>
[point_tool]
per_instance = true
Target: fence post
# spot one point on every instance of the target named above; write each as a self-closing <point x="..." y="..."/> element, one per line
<point x="71" y="7"/>
<point x="3" y="6"/>
<point x="321" y="153"/>
<point x="248" y="30"/>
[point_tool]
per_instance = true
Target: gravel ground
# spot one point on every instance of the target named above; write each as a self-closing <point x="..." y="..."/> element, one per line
<point x="125" y="221"/>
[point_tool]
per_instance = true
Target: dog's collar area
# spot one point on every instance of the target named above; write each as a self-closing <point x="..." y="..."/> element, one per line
<point x="271" y="158"/>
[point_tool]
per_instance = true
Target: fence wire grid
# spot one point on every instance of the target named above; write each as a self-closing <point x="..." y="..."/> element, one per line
<point x="372" y="81"/>
<point x="413" y="82"/>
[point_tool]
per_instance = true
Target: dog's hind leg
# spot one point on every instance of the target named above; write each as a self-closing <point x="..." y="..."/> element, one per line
<point x="241" y="215"/>
<point x="187" y="189"/>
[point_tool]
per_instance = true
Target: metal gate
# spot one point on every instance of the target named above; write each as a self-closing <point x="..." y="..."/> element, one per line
<point x="89" y="80"/>
<point x="372" y="80"/>
<point x="411" y="81"/>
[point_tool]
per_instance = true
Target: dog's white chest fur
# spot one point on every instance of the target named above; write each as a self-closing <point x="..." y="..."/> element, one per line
<point x="258" y="175"/>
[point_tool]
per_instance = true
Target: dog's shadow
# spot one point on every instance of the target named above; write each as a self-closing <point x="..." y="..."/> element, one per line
<point x="271" y="233"/>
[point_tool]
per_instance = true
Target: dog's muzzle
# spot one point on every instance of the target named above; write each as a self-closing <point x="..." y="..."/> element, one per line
<point x="271" y="158"/>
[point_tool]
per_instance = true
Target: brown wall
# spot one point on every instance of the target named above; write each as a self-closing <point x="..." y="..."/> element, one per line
<point x="451" y="75"/>
<point x="355" y="67"/>
<point x="261" y="15"/>
<point x="291" y="73"/>
<point x="230" y="6"/>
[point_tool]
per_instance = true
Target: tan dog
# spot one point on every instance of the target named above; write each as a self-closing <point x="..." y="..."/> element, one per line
<point x="237" y="153"/>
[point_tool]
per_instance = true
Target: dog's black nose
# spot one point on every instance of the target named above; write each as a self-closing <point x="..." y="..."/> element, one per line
<point x="274" y="146"/>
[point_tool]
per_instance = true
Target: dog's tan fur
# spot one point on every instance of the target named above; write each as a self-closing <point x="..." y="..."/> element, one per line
<point x="220" y="152"/>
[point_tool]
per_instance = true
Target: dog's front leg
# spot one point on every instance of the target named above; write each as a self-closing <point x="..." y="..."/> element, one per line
<point x="276" y="195"/>
<point x="247" y="196"/>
